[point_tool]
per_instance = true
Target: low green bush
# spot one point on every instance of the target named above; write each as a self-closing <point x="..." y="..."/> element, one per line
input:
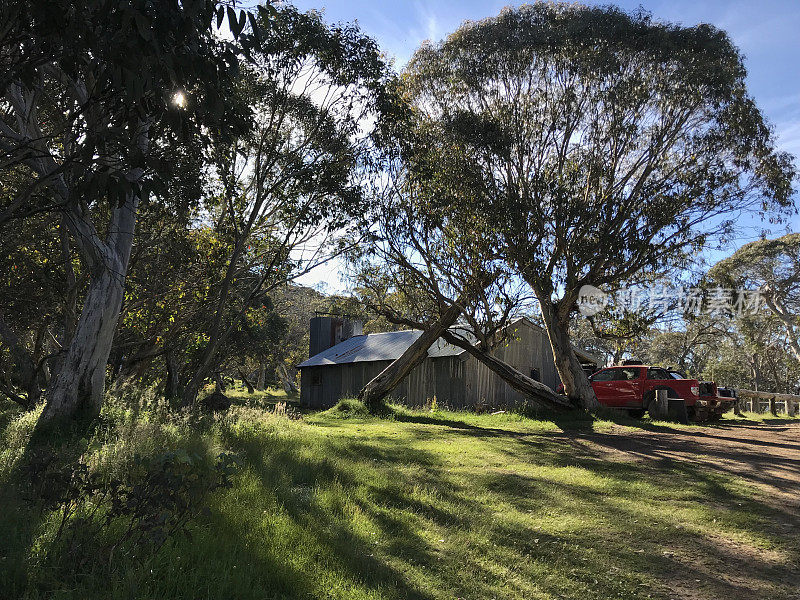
<point x="348" y="408"/>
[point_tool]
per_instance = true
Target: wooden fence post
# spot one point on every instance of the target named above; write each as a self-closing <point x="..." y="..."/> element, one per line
<point x="661" y="405"/>
<point x="789" y="402"/>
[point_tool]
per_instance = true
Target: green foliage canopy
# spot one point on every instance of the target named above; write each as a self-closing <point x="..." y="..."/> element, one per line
<point x="596" y="142"/>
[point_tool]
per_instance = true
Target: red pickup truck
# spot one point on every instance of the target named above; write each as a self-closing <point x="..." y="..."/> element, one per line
<point x="633" y="388"/>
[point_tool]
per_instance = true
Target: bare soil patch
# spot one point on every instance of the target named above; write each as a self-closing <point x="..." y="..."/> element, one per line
<point x="765" y="455"/>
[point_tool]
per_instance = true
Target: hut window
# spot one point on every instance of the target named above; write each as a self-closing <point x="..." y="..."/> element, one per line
<point x="316" y="379"/>
<point x="535" y="375"/>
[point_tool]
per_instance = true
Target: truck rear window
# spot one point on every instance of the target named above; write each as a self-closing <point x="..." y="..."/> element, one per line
<point x="656" y="373"/>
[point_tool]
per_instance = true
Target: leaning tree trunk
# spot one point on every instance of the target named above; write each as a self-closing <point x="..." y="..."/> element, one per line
<point x="388" y="379"/>
<point x="289" y="385"/>
<point x="570" y="370"/>
<point x="250" y="389"/>
<point x="537" y="392"/>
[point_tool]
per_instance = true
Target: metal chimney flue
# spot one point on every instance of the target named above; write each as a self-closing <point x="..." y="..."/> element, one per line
<point x="328" y="330"/>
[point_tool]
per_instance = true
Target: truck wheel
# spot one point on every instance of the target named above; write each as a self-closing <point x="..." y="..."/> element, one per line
<point x="647" y="401"/>
<point x="637" y="413"/>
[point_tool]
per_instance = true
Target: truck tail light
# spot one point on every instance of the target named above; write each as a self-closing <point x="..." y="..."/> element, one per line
<point x="695" y="389"/>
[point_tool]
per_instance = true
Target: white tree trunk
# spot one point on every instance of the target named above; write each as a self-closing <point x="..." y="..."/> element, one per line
<point x="78" y="387"/>
<point x="287" y="380"/>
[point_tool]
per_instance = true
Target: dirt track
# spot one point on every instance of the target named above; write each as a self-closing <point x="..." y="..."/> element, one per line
<point x="766" y="455"/>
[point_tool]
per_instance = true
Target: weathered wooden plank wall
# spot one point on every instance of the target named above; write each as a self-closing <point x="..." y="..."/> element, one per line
<point x="456" y="381"/>
<point x="526" y="349"/>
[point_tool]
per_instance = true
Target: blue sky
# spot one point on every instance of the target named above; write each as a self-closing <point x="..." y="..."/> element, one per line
<point x="767" y="32"/>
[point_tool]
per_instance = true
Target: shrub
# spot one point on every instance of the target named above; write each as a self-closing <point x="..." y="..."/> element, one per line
<point x="101" y="517"/>
<point x="348" y="408"/>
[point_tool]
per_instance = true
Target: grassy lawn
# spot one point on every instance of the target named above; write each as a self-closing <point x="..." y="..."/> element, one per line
<point x="414" y="505"/>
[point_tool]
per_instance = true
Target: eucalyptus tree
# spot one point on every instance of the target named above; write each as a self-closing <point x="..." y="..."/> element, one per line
<point x="689" y="346"/>
<point x="597" y="142"/>
<point x="284" y="189"/>
<point x="437" y="271"/>
<point x="88" y="115"/>
<point x="753" y="351"/>
<point x="640" y="305"/>
<point x="771" y="269"/>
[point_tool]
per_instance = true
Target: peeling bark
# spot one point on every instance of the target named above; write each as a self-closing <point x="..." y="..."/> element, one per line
<point x="79" y="385"/>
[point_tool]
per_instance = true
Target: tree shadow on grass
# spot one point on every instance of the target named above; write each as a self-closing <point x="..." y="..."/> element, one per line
<point x="568" y="422"/>
<point x="300" y="485"/>
<point x="314" y="515"/>
<point x="653" y="543"/>
<point x="397" y="512"/>
<point x="21" y="512"/>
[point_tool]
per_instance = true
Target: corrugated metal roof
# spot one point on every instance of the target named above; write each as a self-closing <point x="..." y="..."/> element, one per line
<point x="377" y="346"/>
<point x="390" y="345"/>
<point x="588" y="357"/>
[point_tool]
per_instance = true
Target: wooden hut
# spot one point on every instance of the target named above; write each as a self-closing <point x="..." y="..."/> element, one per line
<point x="342" y="364"/>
